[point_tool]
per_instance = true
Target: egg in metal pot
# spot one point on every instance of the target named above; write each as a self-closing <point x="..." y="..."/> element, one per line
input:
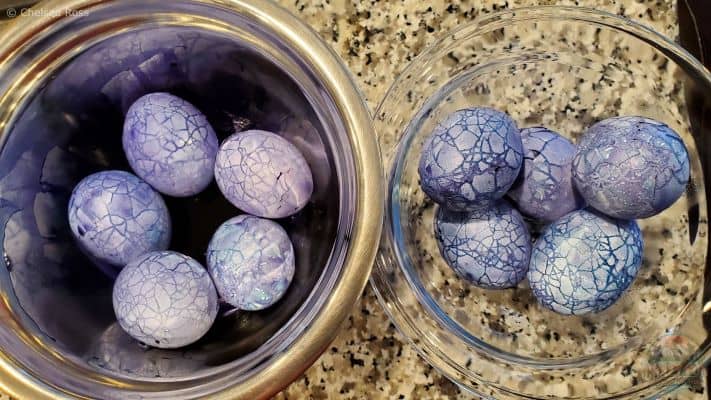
<point x="165" y="299"/>
<point x="263" y="174"/>
<point x="252" y="262"/>
<point x="170" y="144"/>
<point x="116" y="217"/>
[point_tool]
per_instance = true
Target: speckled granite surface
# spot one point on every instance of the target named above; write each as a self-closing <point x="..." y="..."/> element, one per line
<point x="376" y="39"/>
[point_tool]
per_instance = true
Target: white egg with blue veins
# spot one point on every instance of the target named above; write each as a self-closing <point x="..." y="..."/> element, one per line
<point x="489" y="247"/>
<point x="116" y="217"/>
<point x="170" y="144"/>
<point x="544" y="190"/>
<point x="251" y="261"/>
<point x="165" y="299"/>
<point x="584" y="262"/>
<point x="471" y="159"/>
<point x="631" y="167"/>
<point x="263" y="174"/>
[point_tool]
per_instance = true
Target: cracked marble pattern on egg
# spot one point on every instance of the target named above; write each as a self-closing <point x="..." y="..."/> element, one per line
<point x="471" y="159"/>
<point x="117" y="217"/>
<point x="170" y="144"/>
<point x="165" y="299"/>
<point x="488" y="247"/>
<point x="584" y="262"/>
<point x="545" y="190"/>
<point x="251" y="261"/>
<point x="631" y="167"/>
<point x="263" y="174"/>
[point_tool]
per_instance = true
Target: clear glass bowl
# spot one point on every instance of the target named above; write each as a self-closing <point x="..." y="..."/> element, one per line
<point x="66" y="78"/>
<point x="564" y="68"/>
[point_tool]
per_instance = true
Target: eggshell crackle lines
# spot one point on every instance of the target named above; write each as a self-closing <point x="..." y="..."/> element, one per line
<point x="471" y="159"/>
<point x="170" y="144"/>
<point x="117" y="217"/>
<point x="251" y="261"/>
<point x="263" y="174"/>
<point x="631" y="167"/>
<point x="165" y="299"/>
<point x="584" y="262"/>
<point x="488" y="247"/>
<point x="544" y="190"/>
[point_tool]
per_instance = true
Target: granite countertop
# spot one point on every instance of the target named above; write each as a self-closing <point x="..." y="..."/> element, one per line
<point x="376" y="39"/>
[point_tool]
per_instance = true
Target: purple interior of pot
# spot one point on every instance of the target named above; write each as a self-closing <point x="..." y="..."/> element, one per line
<point x="72" y="127"/>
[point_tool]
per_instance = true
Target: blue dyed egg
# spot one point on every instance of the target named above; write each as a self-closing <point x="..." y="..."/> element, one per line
<point x="631" y="167"/>
<point x="165" y="299"/>
<point x="489" y="247"/>
<point x="116" y="217"/>
<point x="251" y="261"/>
<point x="584" y="262"/>
<point x="170" y="144"/>
<point x="545" y="190"/>
<point x="471" y="159"/>
<point x="263" y="174"/>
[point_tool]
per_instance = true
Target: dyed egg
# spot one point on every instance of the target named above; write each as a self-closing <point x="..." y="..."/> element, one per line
<point x="584" y="262"/>
<point x="251" y="261"/>
<point x="471" y="159"/>
<point x="116" y="217"/>
<point x="170" y="144"/>
<point x="263" y="174"/>
<point x="631" y="167"/>
<point x="165" y="299"/>
<point x="489" y="247"/>
<point x="545" y="190"/>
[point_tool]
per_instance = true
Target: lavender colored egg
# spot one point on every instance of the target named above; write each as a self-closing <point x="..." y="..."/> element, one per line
<point x="471" y="159"/>
<point x="263" y="174"/>
<point x="165" y="299"/>
<point x="489" y="247"/>
<point x="170" y="144"/>
<point x="545" y="190"/>
<point x="251" y="261"/>
<point x="631" y="167"/>
<point x="116" y="217"/>
<point x="584" y="262"/>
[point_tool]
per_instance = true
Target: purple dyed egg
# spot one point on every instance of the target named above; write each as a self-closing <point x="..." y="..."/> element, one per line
<point x="631" y="167"/>
<point x="584" y="262"/>
<point x="165" y="299"/>
<point x="116" y="217"/>
<point x="263" y="174"/>
<point x="471" y="159"/>
<point x="489" y="247"/>
<point x="170" y="144"/>
<point x="252" y="262"/>
<point x="545" y="190"/>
